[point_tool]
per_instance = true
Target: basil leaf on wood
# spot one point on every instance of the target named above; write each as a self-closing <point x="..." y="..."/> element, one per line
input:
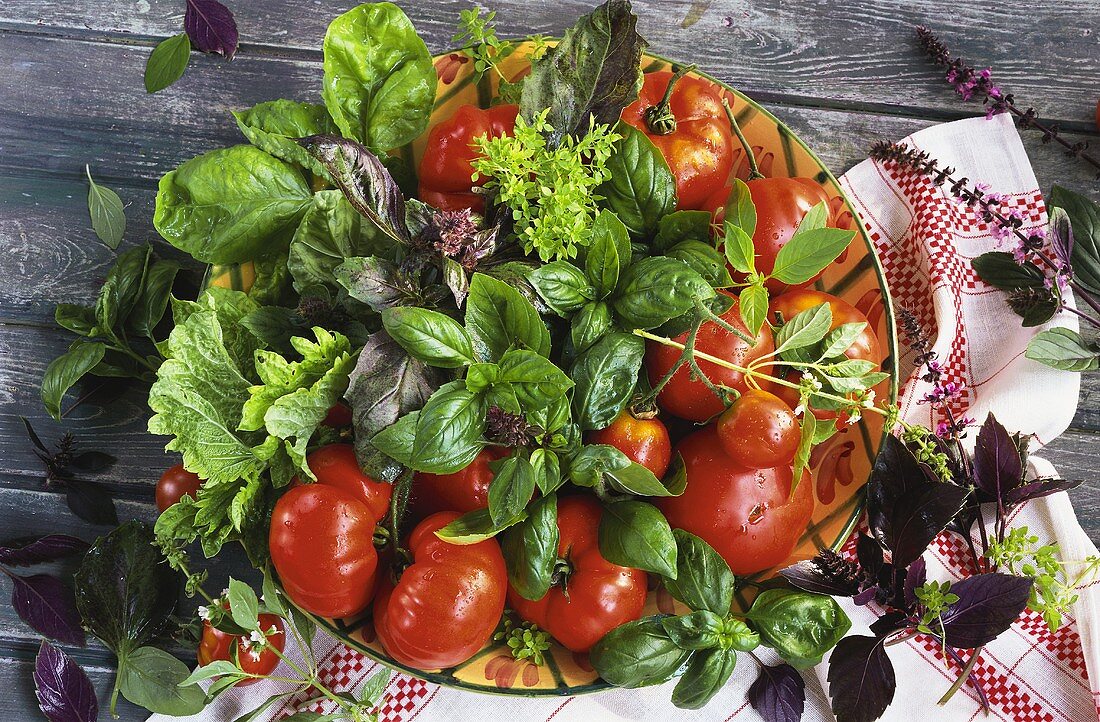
<point x="637" y="654"/>
<point x="475" y="526"/>
<point x="152" y="302"/>
<point x="801" y="627"/>
<point x="703" y="578"/>
<point x="44" y="549"/>
<point x="530" y="549"/>
<point x="636" y="534"/>
<point x="1063" y="349"/>
<point x="861" y="678"/>
<point x="106" y="211"/>
<point x="656" y="289"/>
<point x="808" y="253"/>
<point x="430" y="336"/>
<point x="707" y="672"/>
<point x="64" y="692"/>
<point x="640" y="188"/>
<point x="512" y="486"/>
<point x="121" y="290"/>
<point x="605" y="376"/>
<point x="1084" y="218"/>
<point x="275" y="125"/>
<point x="167" y="62"/>
<point x="151" y="679"/>
<point x="211" y="27"/>
<point x="67" y="369"/>
<point x="562" y="286"/>
<point x="499" y="317"/>
<point x="779" y="693"/>
<point x="608" y="253"/>
<point x="46" y="605"/>
<point x="90" y="501"/>
<point x="589" y="325"/>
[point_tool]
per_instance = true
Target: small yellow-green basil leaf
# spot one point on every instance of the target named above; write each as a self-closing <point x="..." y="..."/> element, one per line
<point x="608" y="253"/>
<point x="216" y="668"/>
<point x="849" y="368"/>
<point x="675" y="479"/>
<point x="499" y="317"/>
<point x="153" y="679"/>
<point x="809" y="253"/>
<point x="640" y="188"/>
<point x="698" y="630"/>
<point x="244" y="606"/>
<point x="66" y="370"/>
<point x="805" y="446"/>
<point x="707" y="672"/>
<point x="480" y="376"/>
<point x="740" y="251"/>
<point x="741" y="211"/>
<point x="535" y="379"/>
<point x="605" y="376"/>
<point x="705" y="259"/>
<point x="331" y="236"/>
<point x="275" y="125"/>
<point x="814" y="219"/>
<point x="530" y="549"/>
<point x="801" y="627"/>
<point x="153" y="299"/>
<point x="805" y="329"/>
<point x="753" y="303"/>
<point x="1064" y="349"/>
<point x="379" y="83"/>
<point x="547" y="469"/>
<point x="735" y="634"/>
<point x="840" y="338"/>
<point x="167" y="62"/>
<point x="637" y="654"/>
<point x="475" y="526"/>
<point x="703" y="578"/>
<point x="638" y="480"/>
<point x="273" y="598"/>
<point x="430" y="336"/>
<point x="636" y="534"/>
<point x="656" y="289"/>
<point x="563" y="287"/>
<point x="511" y="488"/>
<point x="682" y="226"/>
<point x="593" y="461"/>
<point x="76" y="318"/>
<point x="105" y="209"/>
<point x="823" y="432"/>
<point x="589" y="325"/>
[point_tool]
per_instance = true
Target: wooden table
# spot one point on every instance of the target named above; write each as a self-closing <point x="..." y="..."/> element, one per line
<point x="840" y="74"/>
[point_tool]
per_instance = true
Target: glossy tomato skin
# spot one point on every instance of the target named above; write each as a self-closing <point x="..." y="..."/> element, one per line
<point x="447" y="165"/>
<point x="699" y="152"/>
<point x="747" y="515"/>
<point x="759" y="431"/>
<point x="598" y="595"/>
<point x="217" y="645"/>
<point x="335" y="465"/>
<point x="175" y="483"/>
<point x="645" y="441"/>
<point x="445" y="606"/>
<point x="691" y="399"/>
<point x="464" y="490"/>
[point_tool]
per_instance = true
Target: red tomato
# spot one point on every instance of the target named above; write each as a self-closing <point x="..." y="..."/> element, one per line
<point x="216" y="644"/>
<point x="747" y="515"/>
<point x="335" y="465"/>
<point x="338" y="417"/>
<point x="447" y="166"/>
<point x="174" y="484"/>
<point x="691" y="399"/>
<point x="446" y="605"/>
<point x="759" y="431"/>
<point x="644" y="441"/>
<point x="462" y="491"/>
<point x="596" y="596"/>
<point x="697" y="144"/>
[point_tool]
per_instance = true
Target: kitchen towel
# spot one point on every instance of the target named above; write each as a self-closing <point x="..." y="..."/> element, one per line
<point x="926" y="240"/>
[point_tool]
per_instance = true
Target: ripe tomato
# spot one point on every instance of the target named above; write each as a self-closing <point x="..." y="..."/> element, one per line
<point x="462" y="491"/>
<point x="595" y="596"/>
<point x="216" y="644"/>
<point x="781" y="203"/>
<point x="747" y="515"/>
<point x="691" y="399"/>
<point x="759" y="431"/>
<point x="335" y="465"/>
<point x="446" y="168"/>
<point x="446" y="605"/>
<point x="691" y="132"/>
<point x="338" y="417"/>
<point x="174" y="484"/>
<point x="644" y="441"/>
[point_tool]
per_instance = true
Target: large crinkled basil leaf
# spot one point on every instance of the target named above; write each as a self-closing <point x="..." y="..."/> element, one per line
<point x="499" y="317"/>
<point x="231" y="205"/>
<point x="800" y="626"/>
<point x="640" y="188"/>
<point x="594" y="72"/>
<point x="379" y="83"/>
<point x="657" y="289"/>
<point x="444" y="436"/>
<point x="330" y="233"/>
<point x="605" y="376"/>
<point x="273" y="126"/>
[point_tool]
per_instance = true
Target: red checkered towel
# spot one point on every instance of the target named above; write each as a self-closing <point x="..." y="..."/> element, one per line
<point x="926" y="241"/>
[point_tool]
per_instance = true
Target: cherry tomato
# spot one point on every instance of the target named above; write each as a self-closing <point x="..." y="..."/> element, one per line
<point x="644" y="441"/>
<point x="747" y="515"/>
<point x="335" y="465"/>
<point x="446" y="605"/>
<point x="338" y="417"/>
<point x="691" y="131"/>
<point x="691" y="399"/>
<point x="594" y="595"/>
<point x="462" y="491"/>
<point x="446" y="168"/>
<point x="217" y="645"/>
<point x="174" y="484"/>
<point x="759" y="431"/>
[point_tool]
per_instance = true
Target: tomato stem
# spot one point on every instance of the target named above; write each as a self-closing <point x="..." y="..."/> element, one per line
<point x="659" y="118"/>
<point x="754" y="169"/>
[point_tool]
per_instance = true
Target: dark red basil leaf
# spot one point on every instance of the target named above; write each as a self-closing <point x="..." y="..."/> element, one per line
<point x="915" y="577"/>
<point x="34" y="436"/>
<point x="48" y="607"/>
<point x="1039" y="488"/>
<point x="889" y="622"/>
<point x="997" y="466"/>
<point x="211" y="27"/>
<point x="988" y="605"/>
<point x="778" y="694"/>
<point x="896" y="473"/>
<point x="47" y="549"/>
<point x="93" y="461"/>
<point x="827" y="573"/>
<point x="918" y="517"/>
<point x="869" y="554"/>
<point x="1060" y="236"/>
<point x="861" y="679"/>
<point x="91" y="502"/>
<point x="65" y="694"/>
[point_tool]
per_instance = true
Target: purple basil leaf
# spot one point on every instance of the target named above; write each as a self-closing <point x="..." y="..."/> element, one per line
<point x="997" y="466"/>
<point x="1039" y="488"/>
<point x="827" y="573"/>
<point x="91" y="502"/>
<point x="211" y="27"/>
<point x="915" y="577"/>
<point x="93" y="461"/>
<point x="48" y="607"/>
<point x="778" y="694"/>
<point x="65" y="694"/>
<point x="34" y="436"/>
<point x="988" y="605"/>
<point x="47" y="549"/>
<point x="861" y="679"/>
<point x="896" y="473"/>
<point x="869" y="554"/>
<point x="1060" y="235"/>
<point x="889" y="622"/>
<point x="918" y="518"/>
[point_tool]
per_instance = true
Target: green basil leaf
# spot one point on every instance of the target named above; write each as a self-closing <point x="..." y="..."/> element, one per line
<point x="589" y="325"/>
<point x="605" y="376"/>
<point x="640" y="188"/>
<point x="499" y="317"/>
<point x="1084" y="218"/>
<point x="809" y="253"/>
<point x="547" y="470"/>
<point x="656" y="289"/>
<point x="65" y="370"/>
<point x="167" y="62"/>
<point x="637" y="654"/>
<point x="801" y="627"/>
<point x="703" y="578"/>
<point x="536" y="381"/>
<point x="608" y="253"/>
<point x="1000" y="270"/>
<point x="434" y="338"/>
<point x="705" y="260"/>
<point x="443" y="437"/>
<point x="511" y="488"/>
<point x="850" y="368"/>
<point x="153" y="299"/>
<point x="231" y="205"/>
<point x="638" y="480"/>
<point x="814" y="219"/>
<point x="121" y="289"/>
<point x="805" y="447"/>
<point x="590" y="464"/>
<point x="680" y="226"/>
<point x="217" y="668"/>
<point x="151" y="678"/>
<point x="636" y="534"/>
<point x="106" y="211"/>
<point x="243" y="605"/>
<point x="76" y="318"/>
<point x="273" y="598"/>
<point x="475" y="526"/>
<point x="379" y="83"/>
<point x="276" y="125"/>
<point x="480" y="376"/>
<point x="562" y="286"/>
<point x="1063" y="349"/>
<point x="707" y="672"/>
<point x="530" y="549"/>
<point x="331" y="233"/>
<point x="838" y="340"/>
<point x="735" y="634"/>
<point x="741" y="212"/>
<point x="753" y="304"/>
<point x="805" y="329"/>
<point x="740" y="251"/>
<point x="698" y="630"/>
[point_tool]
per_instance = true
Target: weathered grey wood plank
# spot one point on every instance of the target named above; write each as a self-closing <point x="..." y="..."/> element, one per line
<point x="1076" y="455"/>
<point x="857" y="53"/>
